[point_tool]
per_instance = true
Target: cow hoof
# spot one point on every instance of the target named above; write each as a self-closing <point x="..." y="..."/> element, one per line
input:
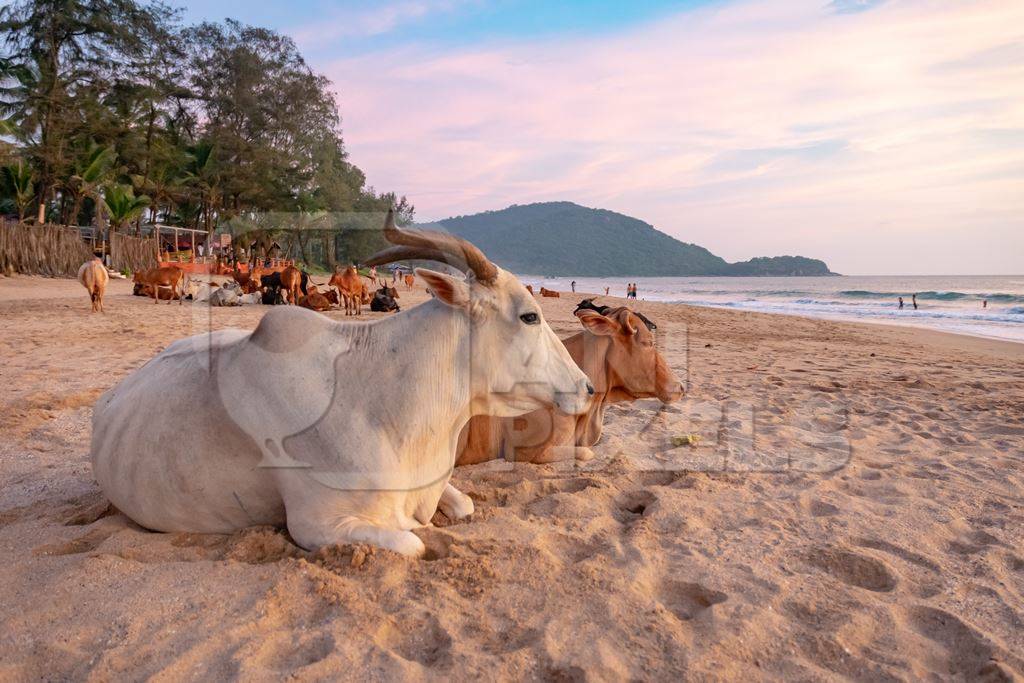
<point x="460" y="510"/>
<point x="455" y="504"/>
<point x="583" y="454"/>
<point x="408" y="544"/>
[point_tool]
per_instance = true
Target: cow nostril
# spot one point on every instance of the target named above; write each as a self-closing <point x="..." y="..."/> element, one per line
<point x="590" y="389"/>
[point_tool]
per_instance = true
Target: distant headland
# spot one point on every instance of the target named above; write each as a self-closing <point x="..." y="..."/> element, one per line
<point x="563" y="238"/>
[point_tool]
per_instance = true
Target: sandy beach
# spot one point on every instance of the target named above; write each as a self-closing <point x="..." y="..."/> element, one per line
<point x="854" y="508"/>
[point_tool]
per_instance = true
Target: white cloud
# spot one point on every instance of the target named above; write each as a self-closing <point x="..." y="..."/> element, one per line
<point x="372" y="20"/>
<point x="889" y="140"/>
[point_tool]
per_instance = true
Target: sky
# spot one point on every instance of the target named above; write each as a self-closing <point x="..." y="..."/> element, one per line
<point x="884" y="137"/>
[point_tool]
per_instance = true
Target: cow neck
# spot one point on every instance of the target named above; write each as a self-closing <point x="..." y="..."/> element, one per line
<point x="590" y="351"/>
<point x="421" y="347"/>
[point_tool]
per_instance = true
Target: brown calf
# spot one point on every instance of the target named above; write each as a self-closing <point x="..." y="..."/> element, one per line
<point x="315" y="301"/>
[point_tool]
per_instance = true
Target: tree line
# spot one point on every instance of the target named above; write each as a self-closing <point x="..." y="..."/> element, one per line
<point x="112" y="112"/>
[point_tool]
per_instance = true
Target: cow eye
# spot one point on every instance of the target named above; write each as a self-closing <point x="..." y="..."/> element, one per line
<point x="530" y="318"/>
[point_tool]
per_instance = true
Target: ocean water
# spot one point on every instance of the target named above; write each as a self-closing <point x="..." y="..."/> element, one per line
<point x="948" y="303"/>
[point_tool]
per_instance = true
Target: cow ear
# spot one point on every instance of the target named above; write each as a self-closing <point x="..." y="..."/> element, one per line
<point x="629" y="326"/>
<point x="597" y="323"/>
<point x="450" y="290"/>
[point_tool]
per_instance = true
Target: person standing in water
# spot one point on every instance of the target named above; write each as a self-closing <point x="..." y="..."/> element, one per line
<point x="914" y="298"/>
<point x="606" y="291"/>
<point x="573" y="285"/>
<point x="901" y="302"/>
<point x="984" y="304"/>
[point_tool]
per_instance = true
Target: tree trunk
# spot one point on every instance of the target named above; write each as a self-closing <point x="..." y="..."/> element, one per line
<point x="328" y="245"/>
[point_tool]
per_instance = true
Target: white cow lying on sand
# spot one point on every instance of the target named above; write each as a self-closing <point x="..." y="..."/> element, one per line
<point x="344" y="431"/>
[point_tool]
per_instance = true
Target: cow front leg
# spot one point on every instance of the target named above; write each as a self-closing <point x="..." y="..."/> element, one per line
<point x="454" y="503"/>
<point x="354" y="530"/>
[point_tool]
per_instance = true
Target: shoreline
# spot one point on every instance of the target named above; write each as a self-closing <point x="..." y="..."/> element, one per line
<point x="965" y="305"/>
<point x="856" y="321"/>
<point x="1015" y="346"/>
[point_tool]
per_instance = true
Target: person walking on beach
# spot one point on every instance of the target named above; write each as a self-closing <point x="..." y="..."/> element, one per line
<point x="573" y="285"/>
<point x="914" y="297"/>
<point x="606" y="291"/>
<point x="901" y="303"/>
<point x="634" y="291"/>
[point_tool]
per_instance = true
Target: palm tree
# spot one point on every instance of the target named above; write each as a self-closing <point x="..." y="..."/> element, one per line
<point x="164" y="185"/>
<point x="202" y="174"/>
<point x="92" y="170"/>
<point x="122" y="205"/>
<point x="19" y="183"/>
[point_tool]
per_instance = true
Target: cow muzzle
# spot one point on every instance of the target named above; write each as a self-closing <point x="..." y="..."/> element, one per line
<point x="575" y="402"/>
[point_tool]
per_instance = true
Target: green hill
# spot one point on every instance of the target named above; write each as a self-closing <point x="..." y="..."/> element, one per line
<point x="562" y="238"/>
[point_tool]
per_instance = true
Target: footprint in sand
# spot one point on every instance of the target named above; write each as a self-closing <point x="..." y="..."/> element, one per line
<point x="633" y="505"/>
<point x="853" y="569"/>
<point x="972" y="542"/>
<point x="968" y="654"/>
<point x="281" y="653"/>
<point x="819" y="508"/>
<point x="924" y="584"/>
<point x="424" y="641"/>
<point x="688" y="600"/>
<point x="82" y="544"/>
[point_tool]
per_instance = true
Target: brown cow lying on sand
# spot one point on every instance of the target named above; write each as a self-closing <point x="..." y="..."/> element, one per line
<point x="94" y="278"/>
<point x="549" y="293"/>
<point x="332" y="297"/>
<point x="165" y="294"/>
<point x="315" y="301"/>
<point x="162" y="278"/>
<point x="617" y="353"/>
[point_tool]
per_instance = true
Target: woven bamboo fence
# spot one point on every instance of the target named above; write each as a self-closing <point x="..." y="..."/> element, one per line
<point x="59" y="251"/>
<point x="50" y="250"/>
<point x="131" y="253"/>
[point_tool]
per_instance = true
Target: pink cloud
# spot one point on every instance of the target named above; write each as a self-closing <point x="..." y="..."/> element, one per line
<point x="751" y="128"/>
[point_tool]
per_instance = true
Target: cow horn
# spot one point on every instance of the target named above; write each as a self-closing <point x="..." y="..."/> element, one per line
<point x="433" y="246"/>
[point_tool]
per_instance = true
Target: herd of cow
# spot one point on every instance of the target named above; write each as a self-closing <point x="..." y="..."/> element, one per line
<point x="485" y="378"/>
<point x="289" y="286"/>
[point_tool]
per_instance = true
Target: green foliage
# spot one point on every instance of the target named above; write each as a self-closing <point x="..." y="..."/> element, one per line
<point x="18" y="183"/>
<point x="562" y="238"/>
<point x="779" y="266"/>
<point x="122" y="205"/>
<point x="92" y="168"/>
<point x="216" y="123"/>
